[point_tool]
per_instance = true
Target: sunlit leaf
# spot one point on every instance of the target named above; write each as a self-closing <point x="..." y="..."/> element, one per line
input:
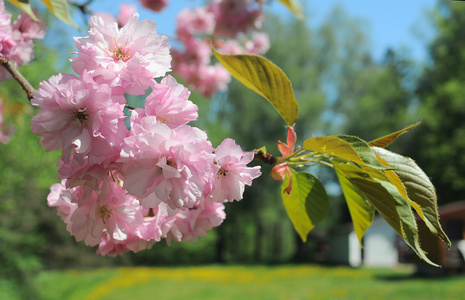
<point x="389" y="203"/>
<point x="361" y="211"/>
<point x="295" y="7"/>
<point x="395" y="180"/>
<point x="419" y="188"/>
<point x="386" y="140"/>
<point x="307" y="204"/>
<point x="409" y="224"/>
<point x="265" y="78"/>
<point x="373" y="192"/>
<point x="344" y="146"/>
<point x="26" y="7"/>
<point x="61" y="10"/>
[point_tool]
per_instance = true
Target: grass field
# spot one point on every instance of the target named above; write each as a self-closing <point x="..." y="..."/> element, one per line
<point x="242" y="282"/>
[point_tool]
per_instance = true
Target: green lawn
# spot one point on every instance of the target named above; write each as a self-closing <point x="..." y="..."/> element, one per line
<point x="242" y="282"/>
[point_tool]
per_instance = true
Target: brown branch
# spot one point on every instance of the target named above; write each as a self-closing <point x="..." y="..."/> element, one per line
<point x="10" y="66"/>
<point x="264" y="157"/>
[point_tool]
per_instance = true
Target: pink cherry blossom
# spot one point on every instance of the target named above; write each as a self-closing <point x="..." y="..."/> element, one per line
<point x="75" y="113"/>
<point x="206" y="79"/>
<point x="86" y="172"/>
<point x="126" y="10"/>
<point x="197" y="52"/>
<point x="155" y="5"/>
<point x="164" y="164"/>
<point x="235" y="16"/>
<point x="60" y="197"/>
<point x="7" y="42"/>
<point x="30" y="29"/>
<point x="127" y="59"/>
<point x="191" y="224"/>
<point x="205" y="218"/>
<point x="259" y="44"/>
<point x="169" y="102"/>
<point x="107" y="247"/>
<point x="16" y="38"/>
<point x="226" y="24"/>
<point x="197" y="21"/>
<point x="230" y="47"/>
<point x="110" y="211"/>
<point x="179" y="230"/>
<point x="106" y="17"/>
<point x="232" y="172"/>
<point x="211" y="80"/>
<point x="127" y="188"/>
<point x="158" y="223"/>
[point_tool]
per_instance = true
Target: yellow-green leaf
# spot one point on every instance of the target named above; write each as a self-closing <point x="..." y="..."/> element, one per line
<point x="26" y="7"/>
<point x="420" y="190"/>
<point x="344" y="146"/>
<point x="373" y="192"/>
<point x="265" y="78"/>
<point x="387" y="200"/>
<point x="386" y="140"/>
<point x="295" y="7"/>
<point x="61" y="10"/>
<point x="395" y="180"/>
<point x="409" y="224"/>
<point x="361" y="211"/>
<point x="307" y="204"/>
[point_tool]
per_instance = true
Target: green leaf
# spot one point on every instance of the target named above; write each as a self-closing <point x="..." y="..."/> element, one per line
<point x="419" y="188"/>
<point x="307" y="204"/>
<point x="26" y="7"/>
<point x="61" y="10"/>
<point x="386" y="140"/>
<point x="409" y="224"/>
<point x="395" y="180"/>
<point x="373" y="192"/>
<point x="265" y="78"/>
<point x="348" y="147"/>
<point x="361" y="211"/>
<point x="295" y="7"/>
<point x="389" y="203"/>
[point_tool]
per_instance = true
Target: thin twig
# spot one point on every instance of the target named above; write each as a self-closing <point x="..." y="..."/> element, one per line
<point x="84" y="8"/>
<point x="10" y="66"/>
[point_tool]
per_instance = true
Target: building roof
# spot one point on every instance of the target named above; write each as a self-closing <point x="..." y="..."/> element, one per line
<point x="452" y="210"/>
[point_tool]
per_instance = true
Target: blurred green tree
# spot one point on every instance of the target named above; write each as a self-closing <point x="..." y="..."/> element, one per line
<point x="440" y="141"/>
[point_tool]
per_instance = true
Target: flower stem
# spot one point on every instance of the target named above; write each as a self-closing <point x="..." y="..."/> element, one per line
<point x="325" y="163"/>
<point x="9" y="65"/>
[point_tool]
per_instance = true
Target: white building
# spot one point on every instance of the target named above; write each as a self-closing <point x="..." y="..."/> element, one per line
<point x="379" y="249"/>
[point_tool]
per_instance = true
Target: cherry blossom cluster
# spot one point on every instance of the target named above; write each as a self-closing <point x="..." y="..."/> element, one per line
<point x="126" y="189"/>
<point x="16" y="38"/>
<point x="231" y="25"/>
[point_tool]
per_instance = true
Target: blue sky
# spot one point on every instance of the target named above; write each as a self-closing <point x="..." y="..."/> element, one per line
<point x="390" y="23"/>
